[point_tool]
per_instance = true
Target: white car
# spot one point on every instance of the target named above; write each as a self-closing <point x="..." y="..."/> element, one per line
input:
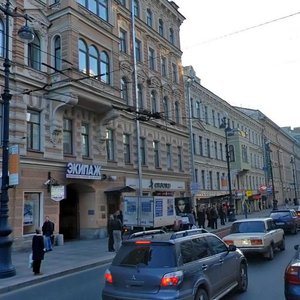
<point x="257" y="235"/>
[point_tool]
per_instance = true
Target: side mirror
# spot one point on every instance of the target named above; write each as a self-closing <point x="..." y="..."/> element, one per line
<point x="231" y="247"/>
<point x="296" y="247"/>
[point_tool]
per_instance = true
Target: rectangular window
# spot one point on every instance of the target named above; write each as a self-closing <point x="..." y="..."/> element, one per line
<point x="67" y="136"/>
<point x="206" y="114"/>
<point x="123" y="41"/>
<point x="211" y="180"/>
<point x="200" y="146"/>
<point x="194" y="143"/>
<point x="203" y="179"/>
<point x="179" y="153"/>
<point x="221" y="152"/>
<point x="143" y="151"/>
<point x="216" y="150"/>
<point x="110" y="145"/>
<point x="208" y="148"/>
<point x="218" y="181"/>
<point x="156" y="154"/>
<point x="138" y="50"/>
<point x="169" y="156"/>
<point x="151" y="59"/>
<point x="33" y="130"/>
<point x="126" y="145"/>
<point x="32" y="212"/>
<point x="196" y="175"/>
<point x="175" y="73"/>
<point x="163" y="66"/>
<point x="198" y="113"/>
<point x="213" y="117"/>
<point x="85" y="139"/>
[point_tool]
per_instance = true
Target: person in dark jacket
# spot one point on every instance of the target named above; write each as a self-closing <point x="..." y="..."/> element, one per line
<point x="38" y="251"/>
<point x="110" y="234"/>
<point x="117" y="227"/>
<point x="48" y="229"/>
<point x="201" y="217"/>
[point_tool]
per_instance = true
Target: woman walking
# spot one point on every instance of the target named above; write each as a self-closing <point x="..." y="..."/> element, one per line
<point x="38" y="252"/>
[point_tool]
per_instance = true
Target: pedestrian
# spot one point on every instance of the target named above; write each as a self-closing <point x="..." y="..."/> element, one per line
<point x="110" y="234"/>
<point x="201" y="217"/>
<point x="38" y="251"/>
<point x="214" y="217"/>
<point x="222" y="214"/>
<point x="117" y="227"/>
<point x="48" y="229"/>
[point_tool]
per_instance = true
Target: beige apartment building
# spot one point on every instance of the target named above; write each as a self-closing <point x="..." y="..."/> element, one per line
<point x="97" y="112"/>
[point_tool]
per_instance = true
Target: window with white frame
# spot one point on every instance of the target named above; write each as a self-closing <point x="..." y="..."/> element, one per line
<point x="57" y="53"/>
<point x="31" y="212"/>
<point x="123" y="41"/>
<point x="110" y="145"/>
<point x="34" y="53"/>
<point x="104" y="67"/>
<point x="126" y="146"/>
<point x="156" y="154"/>
<point x="67" y="136"/>
<point x="93" y="61"/>
<point x="83" y="56"/>
<point x="33" y="130"/>
<point x="85" y="139"/>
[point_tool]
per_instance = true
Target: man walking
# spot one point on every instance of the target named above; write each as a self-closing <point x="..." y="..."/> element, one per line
<point x="117" y="226"/>
<point x="48" y="229"/>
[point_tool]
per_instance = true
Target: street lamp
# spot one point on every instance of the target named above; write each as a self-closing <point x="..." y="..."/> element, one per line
<point x="6" y="267"/>
<point x="226" y="127"/>
<point x="270" y="172"/>
<point x="293" y="163"/>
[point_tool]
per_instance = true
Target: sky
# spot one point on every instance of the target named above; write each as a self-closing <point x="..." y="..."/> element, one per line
<point x="247" y="52"/>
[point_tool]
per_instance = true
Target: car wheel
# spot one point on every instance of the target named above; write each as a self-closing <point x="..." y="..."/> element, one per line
<point x="201" y="295"/>
<point x="282" y="245"/>
<point x="243" y="279"/>
<point x="270" y="254"/>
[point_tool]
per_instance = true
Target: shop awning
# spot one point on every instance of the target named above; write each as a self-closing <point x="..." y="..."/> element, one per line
<point x="120" y="189"/>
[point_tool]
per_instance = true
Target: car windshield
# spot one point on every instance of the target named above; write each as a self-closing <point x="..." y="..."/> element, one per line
<point x="283" y="214"/>
<point x="150" y="256"/>
<point x="245" y="227"/>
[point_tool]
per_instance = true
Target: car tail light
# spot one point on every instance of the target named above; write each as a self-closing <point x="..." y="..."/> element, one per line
<point x="143" y="242"/>
<point x="108" y="277"/>
<point x="172" y="279"/>
<point x="229" y="242"/>
<point x="292" y="274"/>
<point x="256" y="242"/>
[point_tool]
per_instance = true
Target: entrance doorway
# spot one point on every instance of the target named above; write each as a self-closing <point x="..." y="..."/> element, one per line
<point x="69" y="215"/>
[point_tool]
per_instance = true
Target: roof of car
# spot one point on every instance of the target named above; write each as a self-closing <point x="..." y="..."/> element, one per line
<point x="161" y="236"/>
<point x="282" y="210"/>
<point x="253" y="220"/>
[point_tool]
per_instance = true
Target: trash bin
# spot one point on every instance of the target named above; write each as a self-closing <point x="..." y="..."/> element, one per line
<point x="60" y="240"/>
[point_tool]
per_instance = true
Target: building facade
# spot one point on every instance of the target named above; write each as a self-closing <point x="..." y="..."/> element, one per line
<point x="97" y="112"/>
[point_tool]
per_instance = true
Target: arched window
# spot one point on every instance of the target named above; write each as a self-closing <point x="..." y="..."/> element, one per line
<point x="140" y="96"/>
<point x="149" y="17"/>
<point x="2" y="36"/>
<point x="83" y="56"/>
<point x="136" y="8"/>
<point x="161" y="27"/>
<point x="104" y="67"/>
<point x="34" y="53"/>
<point x="153" y="102"/>
<point x="57" y="53"/>
<point x="124" y="90"/>
<point x="177" y="113"/>
<point x="166" y="107"/>
<point x="93" y="61"/>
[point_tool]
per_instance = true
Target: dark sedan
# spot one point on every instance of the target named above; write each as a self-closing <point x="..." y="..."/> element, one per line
<point x="286" y="219"/>
<point x="292" y="277"/>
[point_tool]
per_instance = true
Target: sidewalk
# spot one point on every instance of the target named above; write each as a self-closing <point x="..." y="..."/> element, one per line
<point x="71" y="257"/>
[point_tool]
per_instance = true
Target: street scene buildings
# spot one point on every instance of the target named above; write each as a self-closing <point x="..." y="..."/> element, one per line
<point x="102" y="108"/>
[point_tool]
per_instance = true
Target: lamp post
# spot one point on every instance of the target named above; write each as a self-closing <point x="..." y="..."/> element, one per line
<point x="294" y="180"/>
<point x="270" y="173"/>
<point x="231" y="216"/>
<point x="6" y="267"/>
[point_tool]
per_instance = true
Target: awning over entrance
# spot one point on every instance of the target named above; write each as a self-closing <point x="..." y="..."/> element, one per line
<point x="120" y="189"/>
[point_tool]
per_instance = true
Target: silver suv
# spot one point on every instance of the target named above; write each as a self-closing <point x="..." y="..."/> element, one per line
<point x="191" y="264"/>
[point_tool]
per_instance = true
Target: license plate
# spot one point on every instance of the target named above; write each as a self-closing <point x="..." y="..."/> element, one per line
<point x="279" y="223"/>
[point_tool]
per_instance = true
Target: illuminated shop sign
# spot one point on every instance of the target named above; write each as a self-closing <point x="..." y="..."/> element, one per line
<point x="83" y="171"/>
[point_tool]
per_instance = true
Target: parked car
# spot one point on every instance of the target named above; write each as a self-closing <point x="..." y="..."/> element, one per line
<point x="190" y="264"/>
<point x="286" y="219"/>
<point x="292" y="277"/>
<point x="256" y="236"/>
<point x="298" y="211"/>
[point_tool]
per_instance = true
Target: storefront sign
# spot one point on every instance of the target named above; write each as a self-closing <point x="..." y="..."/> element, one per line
<point x="13" y="167"/>
<point x="83" y="171"/>
<point x="154" y="184"/>
<point x="58" y="192"/>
